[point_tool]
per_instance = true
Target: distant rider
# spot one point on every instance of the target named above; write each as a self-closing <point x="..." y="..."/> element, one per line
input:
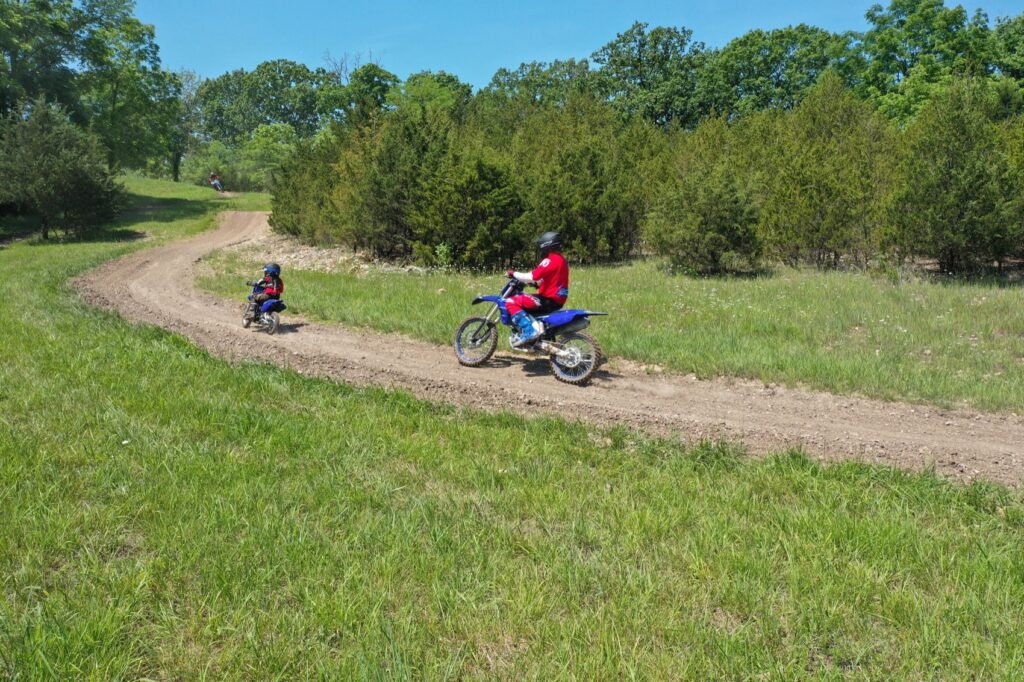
<point x="216" y="183"/>
<point x="552" y="279"/>
<point x="272" y="284"/>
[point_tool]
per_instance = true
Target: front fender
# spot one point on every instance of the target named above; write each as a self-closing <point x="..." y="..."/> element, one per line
<point x="498" y="301"/>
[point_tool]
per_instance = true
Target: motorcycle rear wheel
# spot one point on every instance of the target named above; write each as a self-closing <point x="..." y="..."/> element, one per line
<point x="475" y="341"/>
<point x="584" y="358"/>
<point x="273" y="321"/>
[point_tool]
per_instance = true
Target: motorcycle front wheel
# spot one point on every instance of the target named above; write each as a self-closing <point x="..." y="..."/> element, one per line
<point x="579" y="358"/>
<point x="475" y="341"/>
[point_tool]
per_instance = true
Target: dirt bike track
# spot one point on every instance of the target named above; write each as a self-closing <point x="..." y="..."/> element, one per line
<point x="959" y="444"/>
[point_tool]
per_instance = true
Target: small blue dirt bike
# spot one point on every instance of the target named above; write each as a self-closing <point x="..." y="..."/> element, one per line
<point x="267" y="316"/>
<point x="574" y="354"/>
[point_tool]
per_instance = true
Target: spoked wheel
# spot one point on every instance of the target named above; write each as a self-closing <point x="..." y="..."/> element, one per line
<point x="579" y="359"/>
<point x="247" y="316"/>
<point x="475" y="341"/>
<point x="273" y="321"/>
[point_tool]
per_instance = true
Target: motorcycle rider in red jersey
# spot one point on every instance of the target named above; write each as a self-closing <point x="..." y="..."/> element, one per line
<point x="552" y="279"/>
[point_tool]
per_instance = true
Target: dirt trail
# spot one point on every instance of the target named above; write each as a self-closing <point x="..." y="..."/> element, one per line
<point x="960" y="444"/>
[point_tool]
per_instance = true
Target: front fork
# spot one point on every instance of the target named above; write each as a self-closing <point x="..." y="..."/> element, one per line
<point x="256" y="312"/>
<point x="493" y="316"/>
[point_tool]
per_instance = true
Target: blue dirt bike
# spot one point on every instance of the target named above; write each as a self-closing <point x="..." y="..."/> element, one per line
<point x="268" y="316"/>
<point x="574" y="354"/>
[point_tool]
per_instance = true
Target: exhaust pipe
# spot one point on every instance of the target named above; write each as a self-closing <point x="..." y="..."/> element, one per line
<point x="550" y="348"/>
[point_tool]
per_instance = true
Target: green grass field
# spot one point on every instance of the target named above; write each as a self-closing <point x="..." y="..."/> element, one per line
<point x="161" y="521"/>
<point x="950" y="345"/>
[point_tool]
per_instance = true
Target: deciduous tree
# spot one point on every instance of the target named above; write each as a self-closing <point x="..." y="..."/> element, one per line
<point x="652" y="73"/>
<point x="769" y="69"/>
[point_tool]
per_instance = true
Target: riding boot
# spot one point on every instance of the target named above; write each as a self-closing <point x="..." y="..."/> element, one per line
<point x="529" y="328"/>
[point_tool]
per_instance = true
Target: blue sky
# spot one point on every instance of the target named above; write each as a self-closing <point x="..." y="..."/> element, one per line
<point x="470" y="39"/>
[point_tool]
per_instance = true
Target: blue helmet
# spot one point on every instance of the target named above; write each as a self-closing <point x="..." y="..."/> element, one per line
<point x="272" y="269"/>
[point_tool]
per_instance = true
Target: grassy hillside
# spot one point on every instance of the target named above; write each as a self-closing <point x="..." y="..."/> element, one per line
<point x="950" y="345"/>
<point x="168" y="516"/>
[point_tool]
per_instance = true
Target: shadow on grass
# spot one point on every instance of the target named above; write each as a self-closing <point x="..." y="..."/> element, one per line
<point x="1010" y="275"/>
<point x="759" y="273"/>
<point x="139" y="209"/>
<point x="13" y="228"/>
<point x="111" y="233"/>
<point x="142" y="208"/>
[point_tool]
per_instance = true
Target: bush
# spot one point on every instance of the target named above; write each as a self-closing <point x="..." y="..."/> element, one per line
<point x="56" y="170"/>
<point x="701" y="219"/>
<point x="215" y="157"/>
<point x="578" y="178"/>
<point x="419" y="181"/>
<point x="825" y="179"/>
<point x="247" y="167"/>
<point x="302" y="189"/>
<point x="386" y="170"/>
<point x="957" y="192"/>
<point x="471" y="214"/>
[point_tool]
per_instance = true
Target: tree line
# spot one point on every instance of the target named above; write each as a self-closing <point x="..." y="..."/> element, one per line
<point x="794" y="145"/>
<point x="830" y="182"/>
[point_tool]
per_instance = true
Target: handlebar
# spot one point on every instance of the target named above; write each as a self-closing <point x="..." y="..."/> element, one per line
<point x="512" y="286"/>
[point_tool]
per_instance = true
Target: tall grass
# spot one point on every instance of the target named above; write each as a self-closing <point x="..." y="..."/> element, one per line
<point x="169" y="516"/>
<point x="950" y="345"/>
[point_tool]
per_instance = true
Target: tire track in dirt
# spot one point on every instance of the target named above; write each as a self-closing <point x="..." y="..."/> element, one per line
<point x="960" y="444"/>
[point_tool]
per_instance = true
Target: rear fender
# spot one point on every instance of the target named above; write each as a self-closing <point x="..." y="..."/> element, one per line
<point x="576" y="325"/>
<point x="565" y="321"/>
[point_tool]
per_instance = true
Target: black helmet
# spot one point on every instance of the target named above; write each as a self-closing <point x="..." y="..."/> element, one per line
<point x="272" y="269"/>
<point x="548" y="242"/>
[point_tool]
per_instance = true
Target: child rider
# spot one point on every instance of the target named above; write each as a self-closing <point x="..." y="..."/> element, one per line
<point x="273" y="287"/>
<point x="552" y="279"/>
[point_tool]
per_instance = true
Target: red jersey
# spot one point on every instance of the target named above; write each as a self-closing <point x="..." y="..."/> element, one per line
<point x="552" y="277"/>
<point x="272" y="286"/>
